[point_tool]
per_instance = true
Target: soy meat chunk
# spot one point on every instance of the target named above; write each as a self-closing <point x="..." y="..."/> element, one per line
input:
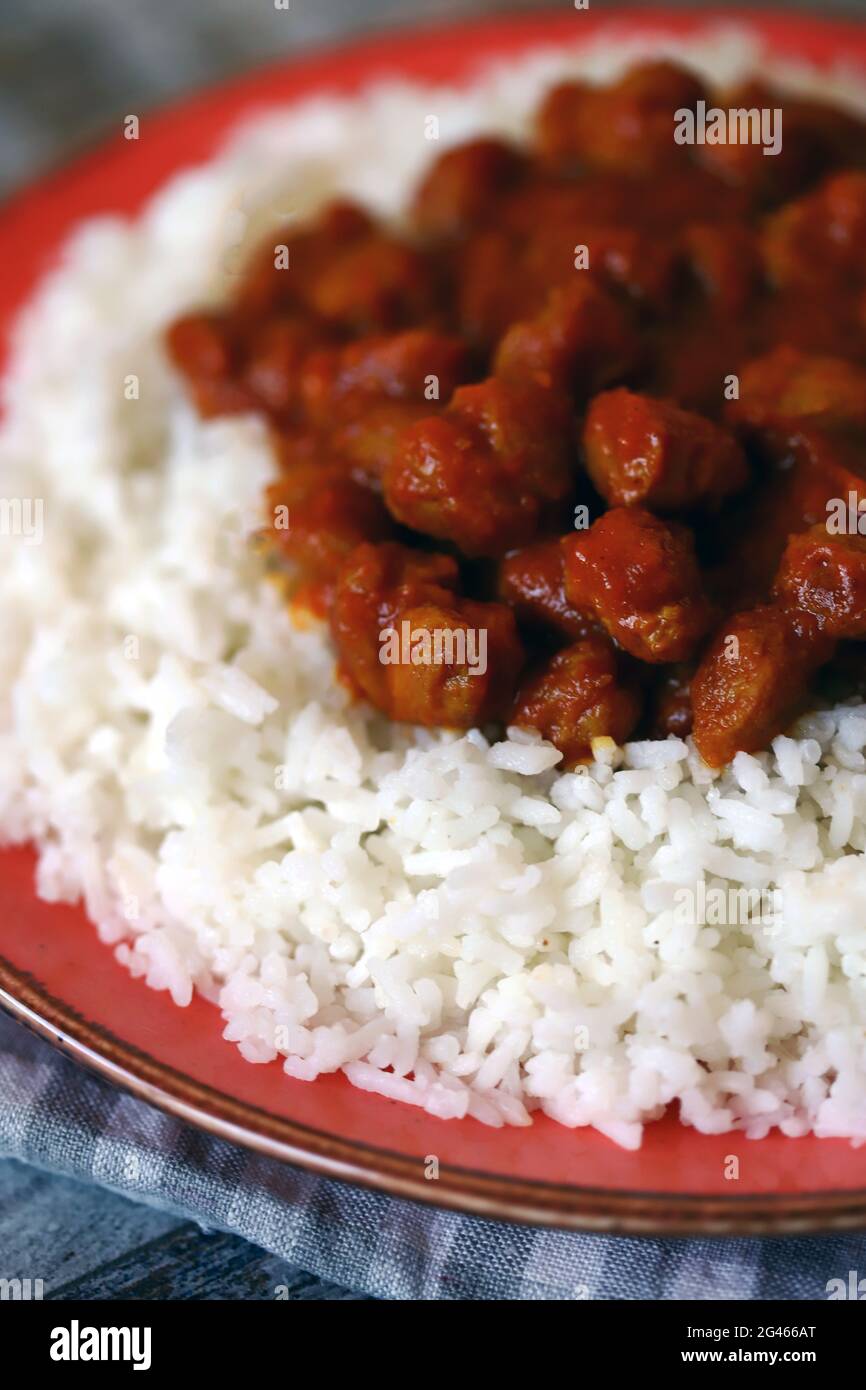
<point x="233" y="364"/>
<point x="752" y="680"/>
<point x="825" y="575"/>
<point x="578" y="695"/>
<point x="554" y="235"/>
<point x="374" y="586"/>
<point x="819" y="239"/>
<point x="740" y="160"/>
<point x="458" y="667"/>
<point x="640" y="576"/>
<point x="201" y="344"/>
<point x="726" y="262"/>
<point x="662" y="203"/>
<point x="318" y="514"/>
<point x="413" y="647"/>
<point x="493" y="286"/>
<point x="841" y="131"/>
<point x="369" y="438"/>
<point x="364" y="394"/>
<point x="616" y="255"/>
<point x="788" y="385"/>
<point x="549" y="200"/>
<point x="374" y="284"/>
<point x="821" y="322"/>
<point x="602" y="226"/>
<point x="488" y="472"/>
<point x="806" y="471"/>
<point x="636" y="261"/>
<point x="269" y="285"/>
<point x="641" y="264"/>
<point x="358" y="445"/>
<point x="646" y="451"/>
<point x="560" y="123"/>
<point x="274" y="360"/>
<point x="532" y="582"/>
<point x="461" y="188"/>
<point x="404" y="366"/>
<point x="627" y="127"/>
<point x="203" y="347"/>
<point x="582" y="340"/>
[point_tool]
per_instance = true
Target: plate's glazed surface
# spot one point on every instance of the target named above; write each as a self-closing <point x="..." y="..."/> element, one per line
<point x="57" y="977"/>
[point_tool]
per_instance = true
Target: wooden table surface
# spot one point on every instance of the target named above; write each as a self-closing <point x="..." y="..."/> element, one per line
<point x="86" y="1243"/>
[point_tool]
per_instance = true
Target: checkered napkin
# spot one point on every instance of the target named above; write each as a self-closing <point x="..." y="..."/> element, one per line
<point x="55" y="1115"/>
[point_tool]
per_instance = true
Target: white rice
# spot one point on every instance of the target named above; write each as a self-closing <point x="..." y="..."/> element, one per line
<point x="452" y="924"/>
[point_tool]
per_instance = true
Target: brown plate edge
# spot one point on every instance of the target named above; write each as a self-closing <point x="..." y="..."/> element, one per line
<point x="399" y="1175"/>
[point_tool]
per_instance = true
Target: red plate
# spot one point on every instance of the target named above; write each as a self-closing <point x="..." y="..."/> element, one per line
<point x="57" y="977"/>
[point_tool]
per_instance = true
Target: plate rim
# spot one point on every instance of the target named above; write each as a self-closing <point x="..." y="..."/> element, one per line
<point x="494" y="1196"/>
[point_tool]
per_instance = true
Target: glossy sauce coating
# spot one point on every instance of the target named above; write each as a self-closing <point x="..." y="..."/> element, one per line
<point x="641" y="450"/>
<point x="640" y="577"/>
<point x="589" y="405"/>
<point x="577" y="696"/>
